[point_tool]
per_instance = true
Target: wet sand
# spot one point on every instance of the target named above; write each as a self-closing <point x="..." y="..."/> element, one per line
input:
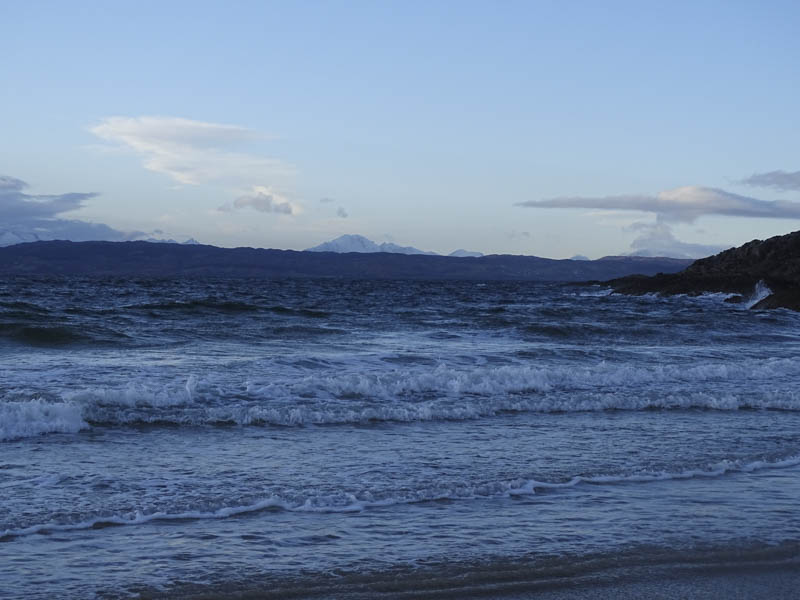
<point x="779" y="583"/>
<point x="776" y="581"/>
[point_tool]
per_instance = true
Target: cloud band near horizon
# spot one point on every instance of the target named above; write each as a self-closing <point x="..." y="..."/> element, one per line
<point x="779" y="180"/>
<point x="30" y="217"/>
<point x="16" y="205"/>
<point x="680" y="205"/>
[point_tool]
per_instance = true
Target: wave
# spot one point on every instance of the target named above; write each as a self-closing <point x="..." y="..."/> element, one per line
<point x="445" y="380"/>
<point x="304" y="331"/>
<point x="229" y="306"/>
<point x="419" y="394"/>
<point x="760" y="292"/>
<point x="42" y="335"/>
<point x="23" y="306"/>
<point x="299" y="312"/>
<point x="406" y="412"/>
<point x="37" y="332"/>
<point x="597" y="293"/>
<point x="34" y="417"/>
<point x="198" y="305"/>
<point x="579" y="330"/>
<point x="348" y="502"/>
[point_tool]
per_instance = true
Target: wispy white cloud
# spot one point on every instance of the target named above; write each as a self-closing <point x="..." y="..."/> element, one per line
<point x="191" y="152"/>
<point x="684" y="204"/>
<point x="680" y="205"/>
<point x="780" y="180"/>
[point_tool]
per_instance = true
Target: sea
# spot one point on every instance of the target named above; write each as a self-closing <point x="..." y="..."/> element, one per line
<point x="386" y="439"/>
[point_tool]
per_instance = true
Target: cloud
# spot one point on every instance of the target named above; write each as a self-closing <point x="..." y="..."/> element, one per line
<point x="657" y="239"/>
<point x="16" y="205"/>
<point x="684" y="204"/>
<point x="780" y="180"/>
<point x="62" y="229"/>
<point x="264" y="200"/>
<point x="191" y="152"/>
<point x="340" y="211"/>
<point x="680" y="205"/>
<point x="28" y="218"/>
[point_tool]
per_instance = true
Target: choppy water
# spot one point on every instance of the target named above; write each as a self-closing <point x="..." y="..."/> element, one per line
<point x="159" y="436"/>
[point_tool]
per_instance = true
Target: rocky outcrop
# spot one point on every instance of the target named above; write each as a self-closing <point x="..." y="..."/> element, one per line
<point x="775" y="262"/>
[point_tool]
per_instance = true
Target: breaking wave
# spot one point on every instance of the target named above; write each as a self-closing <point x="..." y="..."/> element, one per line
<point x="35" y="417"/>
<point x="760" y="292"/>
<point x="443" y="393"/>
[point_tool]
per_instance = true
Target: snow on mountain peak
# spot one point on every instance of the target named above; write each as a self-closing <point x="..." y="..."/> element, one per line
<point x="358" y="243"/>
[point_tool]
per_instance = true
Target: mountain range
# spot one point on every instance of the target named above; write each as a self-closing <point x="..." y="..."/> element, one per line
<point x="145" y="259"/>
<point x="10" y="236"/>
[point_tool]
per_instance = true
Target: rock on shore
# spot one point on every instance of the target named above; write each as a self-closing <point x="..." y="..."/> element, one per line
<point x="775" y="262"/>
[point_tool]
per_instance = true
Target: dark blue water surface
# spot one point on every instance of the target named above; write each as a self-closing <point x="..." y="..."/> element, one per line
<point x="167" y="438"/>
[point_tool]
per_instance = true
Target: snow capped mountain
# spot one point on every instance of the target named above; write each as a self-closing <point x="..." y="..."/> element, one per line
<point x="191" y="241"/>
<point x="358" y="243"/>
<point x="461" y="253"/>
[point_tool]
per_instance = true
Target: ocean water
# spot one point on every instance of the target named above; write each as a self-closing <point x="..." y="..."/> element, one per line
<point x="364" y="439"/>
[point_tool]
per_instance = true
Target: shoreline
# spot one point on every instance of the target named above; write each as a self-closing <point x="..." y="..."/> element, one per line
<point x="766" y="572"/>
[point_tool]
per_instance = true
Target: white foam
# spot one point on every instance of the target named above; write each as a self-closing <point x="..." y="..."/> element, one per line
<point x="760" y="292"/>
<point x="138" y="394"/>
<point x="596" y="293"/>
<point x="445" y="380"/>
<point x="716" y="297"/>
<point x="445" y="392"/>
<point x="35" y="417"/>
<point x="429" y="394"/>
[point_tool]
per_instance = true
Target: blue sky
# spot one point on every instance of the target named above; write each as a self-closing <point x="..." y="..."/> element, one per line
<point x="547" y="128"/>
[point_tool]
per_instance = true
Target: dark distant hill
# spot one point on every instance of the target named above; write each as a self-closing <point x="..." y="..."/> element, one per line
<point x="143" y="259"/>
<point x="775" y="261"/>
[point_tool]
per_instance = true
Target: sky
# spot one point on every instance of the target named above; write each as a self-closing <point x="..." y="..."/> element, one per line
<point x="543" y="128"/>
